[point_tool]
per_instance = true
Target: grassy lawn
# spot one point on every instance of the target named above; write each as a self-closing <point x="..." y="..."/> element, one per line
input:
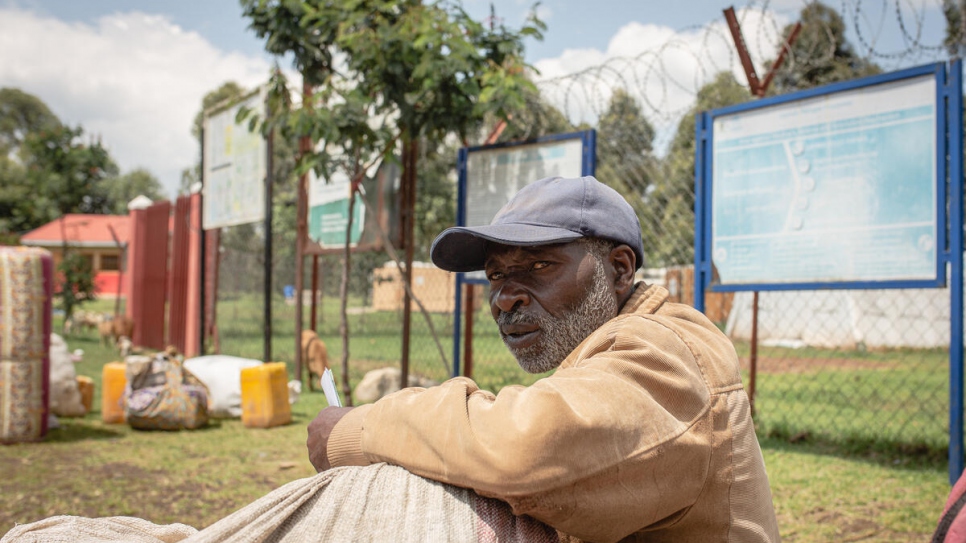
<point x="832" y="481"/>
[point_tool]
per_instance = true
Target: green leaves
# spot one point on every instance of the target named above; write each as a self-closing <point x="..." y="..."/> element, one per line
<point x="77" y="277"/>
<point x="60" y="164"/>
<point x="391" y="67"/>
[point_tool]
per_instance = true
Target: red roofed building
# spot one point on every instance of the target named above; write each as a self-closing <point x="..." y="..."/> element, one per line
<point x="93" y="236"/>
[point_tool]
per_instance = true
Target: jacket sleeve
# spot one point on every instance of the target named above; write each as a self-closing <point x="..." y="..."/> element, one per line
<point x="617" y="432"/>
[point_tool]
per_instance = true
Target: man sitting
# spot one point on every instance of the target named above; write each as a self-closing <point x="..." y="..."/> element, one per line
<point x="643" y="432"/>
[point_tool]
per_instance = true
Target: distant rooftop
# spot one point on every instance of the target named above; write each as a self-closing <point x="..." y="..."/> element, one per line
<point x="81" y="230"/>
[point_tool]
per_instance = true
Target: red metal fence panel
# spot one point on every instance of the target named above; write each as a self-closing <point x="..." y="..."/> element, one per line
<point x="178" y="285"/>
<point x="148" y="254"/>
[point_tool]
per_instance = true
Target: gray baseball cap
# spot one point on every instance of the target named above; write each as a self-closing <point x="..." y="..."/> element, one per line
<point x="551" y="210"/>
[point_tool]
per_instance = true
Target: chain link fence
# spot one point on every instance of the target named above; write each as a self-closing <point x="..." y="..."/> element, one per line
<point x="857" y="368"/>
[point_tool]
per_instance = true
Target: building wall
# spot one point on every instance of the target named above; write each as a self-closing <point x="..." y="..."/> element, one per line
<point x="434" y="287"/>
<point x="105" y="263"/>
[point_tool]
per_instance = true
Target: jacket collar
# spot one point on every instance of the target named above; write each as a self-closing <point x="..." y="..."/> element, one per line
<point x="645" y="299"/>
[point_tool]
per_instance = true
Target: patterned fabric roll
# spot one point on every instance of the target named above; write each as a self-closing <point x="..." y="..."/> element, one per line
<point x="26" y="287"/>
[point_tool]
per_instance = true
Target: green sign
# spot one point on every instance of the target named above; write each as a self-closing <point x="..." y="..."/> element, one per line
<point x="328" y="221"/>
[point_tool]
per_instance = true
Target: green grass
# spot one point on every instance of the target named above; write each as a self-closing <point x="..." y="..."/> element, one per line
<point x="839" y="469"/>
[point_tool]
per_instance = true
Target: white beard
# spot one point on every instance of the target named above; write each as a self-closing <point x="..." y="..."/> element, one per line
<point x="560" y="336"/>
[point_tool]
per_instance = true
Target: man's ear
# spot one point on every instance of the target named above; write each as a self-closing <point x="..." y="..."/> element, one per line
<point x="623" y="260"/>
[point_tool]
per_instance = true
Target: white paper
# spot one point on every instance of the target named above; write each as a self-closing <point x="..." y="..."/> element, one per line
<point x="328" y="387"/>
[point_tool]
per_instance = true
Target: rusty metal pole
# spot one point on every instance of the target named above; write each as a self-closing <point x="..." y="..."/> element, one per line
<point x="753" y="357"/>
<point x="743" y="56"/>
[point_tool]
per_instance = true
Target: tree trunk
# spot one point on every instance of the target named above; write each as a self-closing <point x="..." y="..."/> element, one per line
<point x="409" y="159"/>
<point x="344" y="294"/>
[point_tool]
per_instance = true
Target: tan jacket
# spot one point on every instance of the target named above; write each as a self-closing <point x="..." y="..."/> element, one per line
<point x="644" y="433"/>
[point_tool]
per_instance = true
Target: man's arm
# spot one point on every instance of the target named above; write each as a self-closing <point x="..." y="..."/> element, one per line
<point x="632" y="386"/>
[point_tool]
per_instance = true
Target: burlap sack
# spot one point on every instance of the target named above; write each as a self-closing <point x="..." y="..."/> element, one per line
<point x="373" y="503"/>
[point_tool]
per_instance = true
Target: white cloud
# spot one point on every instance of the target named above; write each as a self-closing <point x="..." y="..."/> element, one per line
<point x="135" y="80"/>
<point x="662" y="67"/>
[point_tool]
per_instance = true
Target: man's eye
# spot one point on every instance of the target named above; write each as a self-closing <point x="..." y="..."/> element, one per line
<point x="495" y="276"/>
<point x="539" y="265"/>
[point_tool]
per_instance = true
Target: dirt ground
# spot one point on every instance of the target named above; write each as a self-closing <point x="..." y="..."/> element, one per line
<point x="807" y="365"/>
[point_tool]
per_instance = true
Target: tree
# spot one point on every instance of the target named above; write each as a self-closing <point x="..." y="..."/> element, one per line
<point x="820" y="54"/>
<point x="407" y="70"/>
<point x="78" y="282"/>
<point x="668" y="223"/>
<point x="955" y="40"/>
<point x="625" y="150"/>
<point x="21" y="206"/>
<point x="21" y="114"/>
<point x="122" y="189"/>
<point x="67" y="176"/>
<point x="68" y="171"/>
<point x="436" y="199"/>
<point x="533" y="119"/>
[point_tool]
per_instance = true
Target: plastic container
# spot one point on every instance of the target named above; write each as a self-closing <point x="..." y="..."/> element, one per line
<point x="113" y="380"/>
<point x="264" y="396"/>
<point x="86" y="387"/>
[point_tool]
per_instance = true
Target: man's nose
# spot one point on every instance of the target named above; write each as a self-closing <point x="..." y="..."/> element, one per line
<point x="510" y="295"/>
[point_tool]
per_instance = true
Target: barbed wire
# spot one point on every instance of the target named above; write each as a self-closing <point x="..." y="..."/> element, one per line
<point x="665" y="81"/>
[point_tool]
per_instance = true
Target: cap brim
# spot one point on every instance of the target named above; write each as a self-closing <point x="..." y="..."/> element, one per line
<point x="463" y="248"/>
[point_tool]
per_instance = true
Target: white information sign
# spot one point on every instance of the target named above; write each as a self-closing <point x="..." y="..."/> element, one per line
<point x="235" y="168"/>
<point x="836" y="188"/>
<point x="494" y="175"/>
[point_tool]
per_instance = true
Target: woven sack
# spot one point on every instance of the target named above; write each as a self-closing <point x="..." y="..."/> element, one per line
<point x="354" y="504"/>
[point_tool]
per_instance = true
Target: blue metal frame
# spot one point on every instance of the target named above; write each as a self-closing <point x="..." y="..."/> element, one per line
<point x="706" y="137"/>
<point x="949" y="142"/>
<point x="953" y="85"/>
<point x="588" y="167"/>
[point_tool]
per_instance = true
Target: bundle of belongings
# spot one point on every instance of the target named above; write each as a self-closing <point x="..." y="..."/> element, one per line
<point x="163" y="395"/>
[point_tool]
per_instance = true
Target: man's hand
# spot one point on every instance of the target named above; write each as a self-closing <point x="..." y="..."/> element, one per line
<point x="319" y="430"/>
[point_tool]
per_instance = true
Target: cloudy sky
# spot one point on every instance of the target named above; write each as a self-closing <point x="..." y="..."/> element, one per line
<point x="133" y="72"/>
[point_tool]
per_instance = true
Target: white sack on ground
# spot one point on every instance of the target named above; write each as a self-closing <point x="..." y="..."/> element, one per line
<point x="222" y="375"/>
<point x="65" y="397"/>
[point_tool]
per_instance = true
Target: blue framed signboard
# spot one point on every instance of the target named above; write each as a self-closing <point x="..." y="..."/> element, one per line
<point x="855" y="185"/>
<point x="841" y="187"/>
